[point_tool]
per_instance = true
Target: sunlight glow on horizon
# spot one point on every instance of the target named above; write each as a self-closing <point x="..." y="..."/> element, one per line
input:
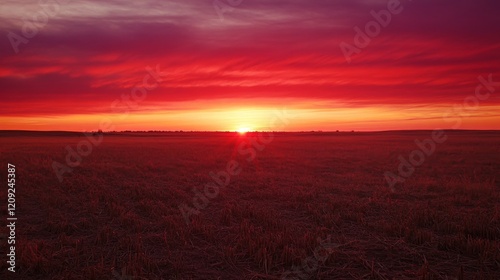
<point x="259" y="118"/>
<point x="243" y="130"/>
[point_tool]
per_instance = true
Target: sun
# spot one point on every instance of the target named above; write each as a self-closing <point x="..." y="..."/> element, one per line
<point x="243" y="130"/>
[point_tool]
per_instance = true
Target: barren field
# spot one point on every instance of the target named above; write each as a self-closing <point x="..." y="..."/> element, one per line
<point x="230" y="206"/>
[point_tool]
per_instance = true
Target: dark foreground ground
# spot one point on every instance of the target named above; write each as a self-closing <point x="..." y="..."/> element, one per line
<point x="314" y="204"/>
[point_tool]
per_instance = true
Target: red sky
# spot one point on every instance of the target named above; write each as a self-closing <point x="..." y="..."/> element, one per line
<point x="262" y="57"/>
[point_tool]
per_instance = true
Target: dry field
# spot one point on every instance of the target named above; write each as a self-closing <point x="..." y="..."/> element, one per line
<point x="314" y="204"/>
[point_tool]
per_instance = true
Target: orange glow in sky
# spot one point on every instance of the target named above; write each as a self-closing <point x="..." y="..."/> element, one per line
<point x="175" y="65"/>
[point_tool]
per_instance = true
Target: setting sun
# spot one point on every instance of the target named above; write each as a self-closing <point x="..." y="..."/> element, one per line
<point x="243" y="130"/>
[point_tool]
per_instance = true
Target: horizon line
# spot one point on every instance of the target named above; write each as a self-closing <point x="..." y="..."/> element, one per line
<point x="251" y="131"/>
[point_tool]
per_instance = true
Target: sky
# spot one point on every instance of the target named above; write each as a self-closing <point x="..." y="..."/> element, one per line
<point x="363" y="65"/>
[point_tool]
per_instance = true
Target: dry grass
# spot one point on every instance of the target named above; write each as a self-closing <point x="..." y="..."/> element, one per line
<point x="117" y="214"/>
